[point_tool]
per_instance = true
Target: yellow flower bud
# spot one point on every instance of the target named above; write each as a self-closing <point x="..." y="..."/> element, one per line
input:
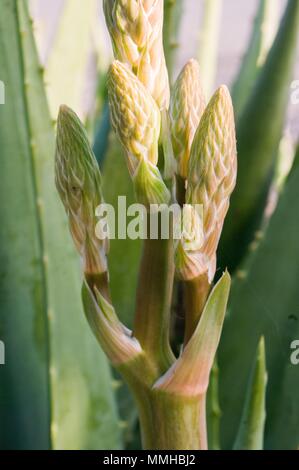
<point x="212" y="175"/>
<point x="135" y="28"/>
<point x="135" y="116"/>
<point x="187" y="105"/>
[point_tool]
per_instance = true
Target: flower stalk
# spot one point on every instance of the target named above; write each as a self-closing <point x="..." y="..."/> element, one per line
<point x="153" y="301"/>
<point x="196" y="147"/>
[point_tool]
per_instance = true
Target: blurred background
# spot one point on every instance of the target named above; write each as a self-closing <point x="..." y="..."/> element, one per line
<point x="235" y="26"/>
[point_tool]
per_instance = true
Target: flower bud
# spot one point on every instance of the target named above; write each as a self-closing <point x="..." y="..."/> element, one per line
<point x="187" y="105"/>
<point x="212" y="175"/>
<point x="136" y="120"/>
<point x="135" y="27"/>
<point x="190" y="242"/>
<point x="135" y="116"/>
<point x="78" y="182"/>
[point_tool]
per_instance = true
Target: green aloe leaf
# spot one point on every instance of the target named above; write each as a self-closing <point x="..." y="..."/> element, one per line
<point x="123" y="261"/>
<point x="172" y="18"/>
<point x="56" y="388"/>
<point x="264" y="301"/>
<point x="209" y="43"/>
<point x="295" y="161"/>
<point x="69" y="58"/>
<point x="263" y="32"/>
<point x="213" y="409"/>
<point x="124" y="254"/>
<point x="24" y="394"/>
<point x="259" y="132"/>
<point x="102" y="132"/>
<point x="251" y="430"/>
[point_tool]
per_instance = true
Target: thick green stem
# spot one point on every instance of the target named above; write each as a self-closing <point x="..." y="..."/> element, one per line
<point x="153" y="302"/>
<point x="196" y="292"/>
<point x="168" y="421"/>
<point x="179" y="422"/>
<point x="173" y="422"/>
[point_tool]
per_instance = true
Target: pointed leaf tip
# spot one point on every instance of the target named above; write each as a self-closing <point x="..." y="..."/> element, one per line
<point x="187" y="105"/>
<point x="115" y="339"/>
<point x="251" y="431"/>
<point x="189" y="375"/>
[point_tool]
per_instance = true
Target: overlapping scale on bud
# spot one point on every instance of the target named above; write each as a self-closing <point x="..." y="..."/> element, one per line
<point x="135" y="27"/>
<point x="134" y="114"/>
<point x="190" y="240"/>
<point x="211" y="177"/>
<point x="187" y="104"/>
<point x="136" y="120"/>
<point x="78" y="182"/>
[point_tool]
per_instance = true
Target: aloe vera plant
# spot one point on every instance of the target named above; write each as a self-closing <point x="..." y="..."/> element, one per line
<point x="167" y="389"/>
<point x="177" y="149"/>
<point x="170" y="147"/>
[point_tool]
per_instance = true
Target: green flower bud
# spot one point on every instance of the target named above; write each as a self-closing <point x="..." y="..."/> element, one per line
<point x="187" y="105"/>
<point x="78" y="182"/>
<point x="135" y="116"/>
<point x="212" y="175"/>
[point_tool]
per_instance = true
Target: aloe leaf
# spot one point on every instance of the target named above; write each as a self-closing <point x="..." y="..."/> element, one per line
<point x="82" y="405"/>
<point x="208" y="43"/>
<point x="213" y="409"/>
<point x="251" y="430"/>
<point x="285" y="160"/>
<point x="172" y="17"/>
<point x="24" y="394"/>
<point x="265" y="26"/>
<point x="70" y="55"/>
<point x="264" y="301"/>
<point x="295" y="161"/>
<point x="124" y="254"/>
<point x="102" y="131"/>
<point x="123" y="261"/>
<point x="76" y="388"/>
<point x="258" y="133"/>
